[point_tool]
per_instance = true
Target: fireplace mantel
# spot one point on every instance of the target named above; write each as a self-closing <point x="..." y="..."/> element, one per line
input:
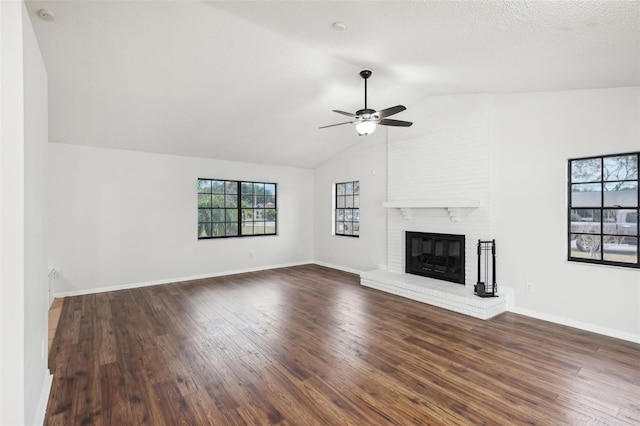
<point x="454" y="206"/>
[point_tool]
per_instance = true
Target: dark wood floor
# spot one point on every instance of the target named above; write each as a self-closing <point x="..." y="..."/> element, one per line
<point x="308" y="345"/>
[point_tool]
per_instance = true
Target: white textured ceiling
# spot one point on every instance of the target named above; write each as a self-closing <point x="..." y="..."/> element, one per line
<point x="253" y="81"/>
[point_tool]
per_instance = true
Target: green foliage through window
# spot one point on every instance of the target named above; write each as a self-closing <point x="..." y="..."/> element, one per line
<point x="228" y="208"/>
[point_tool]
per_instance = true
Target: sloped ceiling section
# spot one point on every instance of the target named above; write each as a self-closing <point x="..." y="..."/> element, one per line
<point x="253" y="81"/>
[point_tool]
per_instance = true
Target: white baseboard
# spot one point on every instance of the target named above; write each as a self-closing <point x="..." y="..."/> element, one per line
<point x="176" y="279"/>
<point x="635" y="338"/>
<point x="44" y="399"/>
<point x="510" y="292"/>
<point x="338" y="267"/>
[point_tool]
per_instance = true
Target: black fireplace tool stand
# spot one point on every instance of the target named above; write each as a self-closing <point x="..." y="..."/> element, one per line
<point x="486" y="285"/>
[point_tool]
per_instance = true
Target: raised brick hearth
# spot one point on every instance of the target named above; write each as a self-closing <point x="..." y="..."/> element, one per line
<point x="439" y="293"/>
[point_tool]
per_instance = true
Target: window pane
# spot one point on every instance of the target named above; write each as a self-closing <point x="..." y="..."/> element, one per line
<point x="217" y="230"/>
<point x="620" y="222"/>
<point x="586" y="170"/>
<point x="247" y="188"/>
<point x="231" y="201"/>
<point x="204" y="200"/>
<point x="585" y="220"/>
<point x="348" y="188"/>
<point x="340" y="188"/>
<point x="204" y="215"/>
<point x="270" y="201"/>
<point x="356" y="215"/>
<point x="621" y="250"/>
<point x="204" y="186"/>
<point x="270" y="189"/>
<point x="232" y="229"/>
<point x="348" y="201"/>
<point x="356" y="187"/>
<point x="204" y="230"/>
<point x="258" y="188"/>
<point x="258" y="214"/>
<point x="231" y="187"/>
<point x="218" y="200"/>
<point x="348" y="214"/>
<point x="259" y="201"/>
<point x="348" y="228"/>
<point x="623" y="194"/>
<point x="340" y="214"/>
<point x="339" y="227"/>
<point x="622" y="167"/>
<point x="247" y="200"/>
<point x="356" y="201"/>
<point x="586" y="195"/>
<point x="231" y="215"/>
<point x="258" y="228"/>
<point x="270" y="214"/>
<point x="247" y="214"/>
<point x="247" y="228"/>
<point x="217" y="186"/>
<point x="269" y="227"/>
<point x="356" y="228"/>
<point x="586" y="246"/>
<point x="217" y="215"/>
<point x="341" y="203"/>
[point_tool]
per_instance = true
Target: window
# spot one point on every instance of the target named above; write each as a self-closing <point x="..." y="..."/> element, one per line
<point x="603" y="210"/>
<point x="229" y="208"/>
<point x="348" y="209"/>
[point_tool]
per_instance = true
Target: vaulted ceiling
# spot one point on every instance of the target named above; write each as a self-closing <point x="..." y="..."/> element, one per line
<point x="253" y="81"/>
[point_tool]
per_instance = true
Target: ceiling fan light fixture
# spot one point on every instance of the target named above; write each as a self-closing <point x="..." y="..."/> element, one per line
<point x="365" y="128"/>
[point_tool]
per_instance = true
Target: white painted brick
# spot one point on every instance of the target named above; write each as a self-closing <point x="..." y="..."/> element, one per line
<point x="449" y="159"/>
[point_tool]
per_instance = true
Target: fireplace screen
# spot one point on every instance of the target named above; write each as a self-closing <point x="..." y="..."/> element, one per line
<point x="439" y="256"/>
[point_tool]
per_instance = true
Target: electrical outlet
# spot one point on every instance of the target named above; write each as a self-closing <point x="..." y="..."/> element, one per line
<point x="528" y="287"/>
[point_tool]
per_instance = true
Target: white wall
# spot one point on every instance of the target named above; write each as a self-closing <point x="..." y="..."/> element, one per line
<point x="365" y="162"/>
<point x="510" y="152"/>
<point x="24" y="376"/>
<point x="533" y="136"/>
<point x="120" y="218"/>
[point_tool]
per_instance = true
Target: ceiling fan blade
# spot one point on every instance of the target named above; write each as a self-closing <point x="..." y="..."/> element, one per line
<point x="398" y="123"/>
<point x="348" y="114"/>
<point x="339" y="124"/>
<point x="390" y="111"/>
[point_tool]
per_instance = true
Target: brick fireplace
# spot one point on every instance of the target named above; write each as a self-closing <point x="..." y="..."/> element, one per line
<point x="439" y="183"/>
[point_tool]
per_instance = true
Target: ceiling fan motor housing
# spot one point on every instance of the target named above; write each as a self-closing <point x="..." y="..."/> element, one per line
<point x="367" y="113"/>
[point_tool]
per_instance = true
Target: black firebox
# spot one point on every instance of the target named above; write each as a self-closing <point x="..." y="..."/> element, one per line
<point x="439" y="256"/>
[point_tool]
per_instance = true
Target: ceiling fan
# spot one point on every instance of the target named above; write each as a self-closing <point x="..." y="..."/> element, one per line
<point x="366" y="119"/>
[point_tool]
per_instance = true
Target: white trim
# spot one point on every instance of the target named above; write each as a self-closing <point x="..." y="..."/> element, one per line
<point x="44" y="399"/>
<point x="432" y="204"/>
<point x="635" y="338"/>
<point x="176" y="279"/>
<point x="338" y="267"/>
<point x="517" y="310"/>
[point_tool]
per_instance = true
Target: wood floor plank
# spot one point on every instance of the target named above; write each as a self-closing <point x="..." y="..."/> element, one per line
<point x="308" y="345"/>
